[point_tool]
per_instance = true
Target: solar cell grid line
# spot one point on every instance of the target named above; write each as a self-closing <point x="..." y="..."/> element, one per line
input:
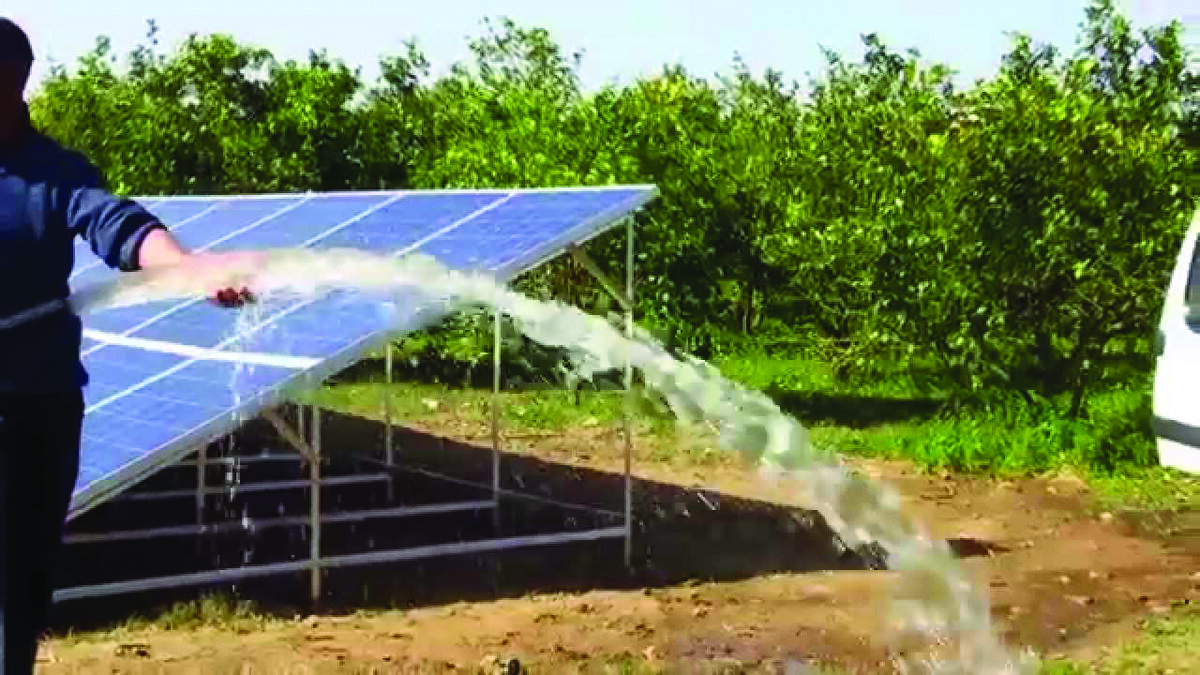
<point x="288" y="205"/>
<point x="179" y="349"/>
<point x="508" y="240"/>
<point x="314" y="219"/>
<point x="580" y="234"/>
<point x="418" y="216"/>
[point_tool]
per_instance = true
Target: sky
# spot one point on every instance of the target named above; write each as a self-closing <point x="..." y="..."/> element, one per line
<point x="620" y="39"/>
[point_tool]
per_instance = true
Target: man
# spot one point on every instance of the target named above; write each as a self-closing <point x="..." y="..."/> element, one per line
<point x="49" y="196"/>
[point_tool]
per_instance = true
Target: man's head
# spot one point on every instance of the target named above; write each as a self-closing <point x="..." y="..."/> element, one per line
<point x="16" y="59"/>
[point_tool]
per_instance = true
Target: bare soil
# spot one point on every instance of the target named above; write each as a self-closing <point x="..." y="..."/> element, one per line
<point x="730" y="572"/>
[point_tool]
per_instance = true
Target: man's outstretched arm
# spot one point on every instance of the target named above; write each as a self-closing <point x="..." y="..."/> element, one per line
<point x="128" y="237"/>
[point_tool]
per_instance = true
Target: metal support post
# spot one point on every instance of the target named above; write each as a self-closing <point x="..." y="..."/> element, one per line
<point x="628" y="407"/>
<point x="496" y="419"/>
<point x="201" y="482"/>
<point x="314" y="474"/>
<point x="256" y="487"/>
<point x="387" y="406"/>
<point x="201" y="493"/>
<point x="388" y="456"/>
<point x="296" y="439"/>
<point x="177" y="581"/>
<point x="581" y="257"/>
<point x="626" y="301"/>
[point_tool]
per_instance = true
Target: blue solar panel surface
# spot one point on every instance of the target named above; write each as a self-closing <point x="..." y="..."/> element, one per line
<point x="153" y="399"/>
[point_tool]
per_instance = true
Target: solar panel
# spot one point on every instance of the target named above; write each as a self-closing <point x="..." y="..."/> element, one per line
<point x="169" y="376"/>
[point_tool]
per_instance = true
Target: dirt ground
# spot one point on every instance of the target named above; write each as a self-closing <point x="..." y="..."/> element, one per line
<point x="1064" y="579"/>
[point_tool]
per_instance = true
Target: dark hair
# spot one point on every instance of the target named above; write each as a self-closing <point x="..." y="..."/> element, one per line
<point x="14" y="44"/>
<point x="16" y="54"/>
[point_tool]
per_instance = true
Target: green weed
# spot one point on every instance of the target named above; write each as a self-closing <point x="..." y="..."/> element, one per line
<point x="520" y="411"/>
<point x="1166" y="645"/>
<point x="1147" y="489"/>
<point x="220" y="610"/>
<point x="891" y="416"/>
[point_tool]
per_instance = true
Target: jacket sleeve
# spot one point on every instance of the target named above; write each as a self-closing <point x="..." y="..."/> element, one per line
<point x="113" y="226"/>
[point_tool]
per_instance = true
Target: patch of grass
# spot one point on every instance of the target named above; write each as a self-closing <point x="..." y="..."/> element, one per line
<point x="893" y="416"/>
<point x="1166" y="645"/>
<point x="797" y="373"/>
<point x="978" y="444"/>
<point x="1111" y="446"/>
<point x="890" y="416"/>
<point x="1017" y="439"/>
<point x="1061" y="668"/>
<point x="1147" y="489"/>
<point x="520" y="411"/>
<point x="218" y="611"/>
<point x="628" y="666"/>
<point x="640" y="666"/>
<point x="806" y="374"/>
<point x="526" y="412"/>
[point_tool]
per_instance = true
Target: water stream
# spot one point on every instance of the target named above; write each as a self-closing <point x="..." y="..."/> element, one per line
<point x="934" y="598"/>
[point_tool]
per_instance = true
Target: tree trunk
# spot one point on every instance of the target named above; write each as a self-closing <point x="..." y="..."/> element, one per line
<point x="1077" y="396"/>
<point x="1079" y="368"/>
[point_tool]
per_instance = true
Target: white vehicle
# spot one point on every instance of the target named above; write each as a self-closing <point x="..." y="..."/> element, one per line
<point x="1177" y="375"/>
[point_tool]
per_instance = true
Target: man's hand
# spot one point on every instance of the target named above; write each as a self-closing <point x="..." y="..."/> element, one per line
<point x="226" y="274"/>
<point x="229" y="297"/>
<point x="222" y="272"/>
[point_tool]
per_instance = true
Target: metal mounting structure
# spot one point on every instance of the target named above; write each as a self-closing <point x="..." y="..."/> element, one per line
<point x="305" y="438"/>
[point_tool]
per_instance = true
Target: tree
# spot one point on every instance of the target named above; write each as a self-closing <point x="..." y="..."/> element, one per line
<point x="1016" y="235"/>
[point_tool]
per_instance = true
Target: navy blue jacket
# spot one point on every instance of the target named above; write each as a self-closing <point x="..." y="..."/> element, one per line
<point x="49" y="196"/>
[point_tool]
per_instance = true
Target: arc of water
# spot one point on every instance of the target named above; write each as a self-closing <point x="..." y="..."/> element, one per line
<point x="934" y="598"/>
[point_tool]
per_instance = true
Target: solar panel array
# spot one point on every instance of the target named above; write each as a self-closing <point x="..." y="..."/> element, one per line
<point x="168" y="376"/>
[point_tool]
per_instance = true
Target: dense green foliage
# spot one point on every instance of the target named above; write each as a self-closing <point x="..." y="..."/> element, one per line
<point x="1010" y="239"/>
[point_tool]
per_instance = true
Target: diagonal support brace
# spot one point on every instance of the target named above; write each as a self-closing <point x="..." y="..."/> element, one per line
<point x="291" y="436"/>
<point x="590" y="265"/>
